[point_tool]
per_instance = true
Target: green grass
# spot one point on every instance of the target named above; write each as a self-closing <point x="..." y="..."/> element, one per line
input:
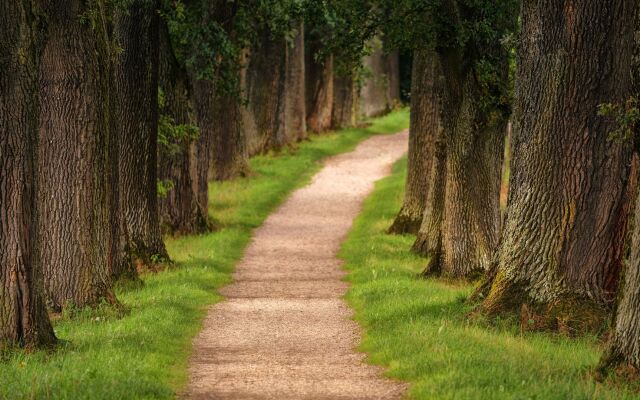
<point x="144" y="354"/>
<point x="416" y="327"/>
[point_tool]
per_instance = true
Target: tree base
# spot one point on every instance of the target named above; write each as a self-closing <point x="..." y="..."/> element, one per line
<point x="404" y="224"/>
<point x="568" y="314"/>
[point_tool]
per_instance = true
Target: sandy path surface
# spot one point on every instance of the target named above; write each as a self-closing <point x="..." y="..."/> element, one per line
<point x="284" y="331"/>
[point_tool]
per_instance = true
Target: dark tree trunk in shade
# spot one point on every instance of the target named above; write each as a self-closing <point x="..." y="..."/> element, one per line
<point x="184" y="208"/>
<point x="319" y="88"/>
<point x="295" y="103"/>
<point x="345" y="101"/>
<point x="426" y="88"/>
<point x="374" y="94"/>
<point x="561" y="250"/>
<point x="264" y="88"/>
<point x="136" y="84"/>
<point x="23" y="316"/>
<point x="76" y="176"/>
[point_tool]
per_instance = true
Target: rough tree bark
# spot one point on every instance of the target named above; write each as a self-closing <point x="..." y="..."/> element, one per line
<point x="184" y="209"/>
<point x="23" y="316"/>
<point x="76" y="176"/>
<point x="623" y="348"/>
<point x="460" y="235"/>
<point x="345" y="101"/>
<point x="562" y="245"/>
<point x="295" y="103"/>
<point x="264" y="88"/>
<point x="136" y="88"/>
<point x="426" y="88"/>
<point x="319" y="87"/>
<point x="219" y="116"/>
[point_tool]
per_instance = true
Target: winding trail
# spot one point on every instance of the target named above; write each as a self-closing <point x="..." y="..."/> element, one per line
<point x="284" y="331"/>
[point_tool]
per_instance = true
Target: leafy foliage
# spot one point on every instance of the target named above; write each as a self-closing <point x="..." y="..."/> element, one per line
<point x="210" y="36"/>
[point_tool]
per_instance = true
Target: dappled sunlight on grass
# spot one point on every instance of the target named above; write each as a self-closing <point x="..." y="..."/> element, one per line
<point x="144" y="353"/>
<point x="418" y="329"/>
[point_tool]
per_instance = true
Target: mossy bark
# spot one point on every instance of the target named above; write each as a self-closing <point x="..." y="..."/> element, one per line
<point x="23" y="316"/>
<point x="563" y="239"/>
<point x="76" y="219"/>
<point x="426" y="89"/>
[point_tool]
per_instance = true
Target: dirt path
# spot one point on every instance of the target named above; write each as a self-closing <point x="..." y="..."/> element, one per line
<point x="284" y="331"/>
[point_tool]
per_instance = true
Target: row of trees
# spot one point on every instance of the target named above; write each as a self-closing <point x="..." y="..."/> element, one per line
<point x="566" y="75"/>
<point x="115" y="115"/>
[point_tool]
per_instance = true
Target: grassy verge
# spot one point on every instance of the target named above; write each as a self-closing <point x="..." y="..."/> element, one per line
<point x="417" y="329"/>
<point x="144" y="354"/>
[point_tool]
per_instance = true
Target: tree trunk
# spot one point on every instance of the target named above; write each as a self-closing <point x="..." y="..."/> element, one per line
<point x="184" y="208"/>
<point x="219" y="116"/>
<point x="393" y="78"/>
<point x="295" y="103"/>
<point x="429" y="238"/>
<point x="136" y="83"/>
<point x="23" y="316"/>
<point x="424" y="129"/>
<point x="374" y="94"/>
<point x="623" y="348"/>
<point x="345" y="101"/>
<point x="473" y="139"/>
<point x="562" y="247"/>
<point x="319" y="88"/>
<point x="264" y="87"/>
<point x="76" y="174"/>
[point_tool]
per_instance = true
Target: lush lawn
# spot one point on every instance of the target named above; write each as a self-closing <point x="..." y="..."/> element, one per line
<point x="144" y="354"/>
<point x="417" y="327"/>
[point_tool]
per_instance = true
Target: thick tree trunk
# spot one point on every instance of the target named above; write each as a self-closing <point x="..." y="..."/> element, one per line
<point x="460" y="237"/>
<point x="471" y="223"/>
<point x="184" y="208"/>
<point x="426" y="89"/>
<point x="429" y="238"/>
<point x="136" y="82"/>
<point x="264" y="87"/>
<point x="562" y="247"/>
<point x="319" y="88"/>
<point x="220" y="116"/>
<point x="76" y="174"/>
<point x="345" y="101"/>
<point x="295" y="103"/>
<point x="393" y="78"/>
<point x="374" y="94"/>
<point x="23" y="316"/>
<point x="623" y="348"/>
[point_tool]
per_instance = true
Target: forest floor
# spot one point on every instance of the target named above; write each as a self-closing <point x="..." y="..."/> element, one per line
<point x="144" y="354"/>
<point x="418" y="330"/>
<point x="284" y="330"/>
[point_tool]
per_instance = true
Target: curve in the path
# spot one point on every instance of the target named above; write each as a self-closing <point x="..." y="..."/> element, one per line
<point x="284" y="331"/>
